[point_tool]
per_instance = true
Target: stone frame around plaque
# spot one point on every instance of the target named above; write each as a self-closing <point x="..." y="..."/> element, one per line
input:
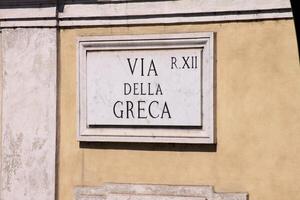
<point x="204" y="134"/>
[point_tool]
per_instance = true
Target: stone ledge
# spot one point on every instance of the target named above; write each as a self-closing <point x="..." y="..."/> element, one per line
<point x="159" y="192"/>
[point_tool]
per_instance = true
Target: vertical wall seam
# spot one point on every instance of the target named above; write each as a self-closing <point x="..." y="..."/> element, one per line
<point x="56" y="190"/>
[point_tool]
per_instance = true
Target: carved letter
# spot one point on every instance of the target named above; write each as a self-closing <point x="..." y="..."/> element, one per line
<point x="152" y="68"/>
<point x="127" y="92"/>
<point x="150" y="113"/>
<point x="165" y="110"/>
<point x="130" y="66"/>
<point x="121" y="111"/>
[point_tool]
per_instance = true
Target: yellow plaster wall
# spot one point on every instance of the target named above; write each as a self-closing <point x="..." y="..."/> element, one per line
<point x="258" y="119"/>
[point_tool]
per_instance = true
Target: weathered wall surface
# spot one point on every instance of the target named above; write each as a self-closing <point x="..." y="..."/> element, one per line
<point x="257" y="108"/>
<point x="29" y="114"/>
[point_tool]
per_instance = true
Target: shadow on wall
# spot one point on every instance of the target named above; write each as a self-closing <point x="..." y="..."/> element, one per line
<point x="296" y="22"/>
<point x="26" y="3"/>
<point x="150" y="146"/>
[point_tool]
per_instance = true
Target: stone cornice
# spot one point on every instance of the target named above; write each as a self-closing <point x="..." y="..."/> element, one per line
<point x="44" y="13"/>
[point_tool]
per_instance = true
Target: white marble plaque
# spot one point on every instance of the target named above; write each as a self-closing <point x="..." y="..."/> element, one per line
<point x="144" y="87"/>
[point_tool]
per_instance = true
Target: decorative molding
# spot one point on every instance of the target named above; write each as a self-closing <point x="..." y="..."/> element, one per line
<point x="160" y="192"/>
<point x="176" y="18"/>
<point x="28" y="17"/>
<point x="203" y="41"/>
<point x="28" y="23"/>
<point x="165" y="12"/>
<point x="105" y="13"/>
